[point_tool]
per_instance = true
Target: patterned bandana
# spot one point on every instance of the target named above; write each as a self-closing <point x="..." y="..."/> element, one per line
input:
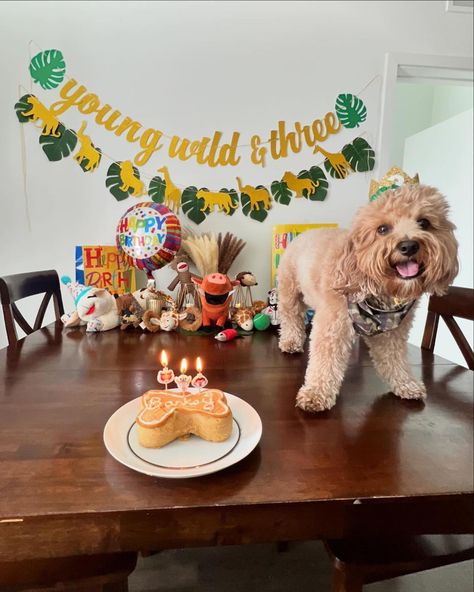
<point x="371" y="317"/>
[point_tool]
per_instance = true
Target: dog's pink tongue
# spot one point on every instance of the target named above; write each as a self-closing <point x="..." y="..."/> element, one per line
<point x="408" y="269"/>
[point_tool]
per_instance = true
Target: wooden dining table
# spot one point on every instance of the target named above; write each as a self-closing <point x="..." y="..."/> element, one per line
<point x="374" y="464"/>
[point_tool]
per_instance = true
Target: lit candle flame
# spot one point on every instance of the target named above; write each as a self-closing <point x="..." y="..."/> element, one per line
<point x="198" y="365"/>
<point x="184" y="366"/>
<point x="164" y="359"/>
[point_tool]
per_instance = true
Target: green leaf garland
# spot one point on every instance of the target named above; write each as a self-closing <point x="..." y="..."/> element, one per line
<point x="22" y="107"/>
<point x="156" y="189"/>
<point x="350" y="110"/>
<point x="192" y="205"/>
<point x="48" y="68"/>
<point x="260" y="214"/>
<point x="57" y="148"/>
<point x="280" y="192"/>
<point x="113" y="181"/>
<point x="315" y="174"/>
<point x="360" y="155"/>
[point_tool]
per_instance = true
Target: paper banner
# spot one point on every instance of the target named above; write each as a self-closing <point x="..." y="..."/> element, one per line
<point x="123" y="179"/>
<point x="48" y="68"/>
<point x="104" y="267"/>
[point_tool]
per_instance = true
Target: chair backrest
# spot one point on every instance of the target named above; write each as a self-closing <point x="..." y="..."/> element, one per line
<point x="458" y="302"/>
<point x="21" y="285"/>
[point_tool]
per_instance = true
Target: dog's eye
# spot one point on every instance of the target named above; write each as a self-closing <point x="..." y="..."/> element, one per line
<point x="384" y="229"/>
<point x="423" y="223"/>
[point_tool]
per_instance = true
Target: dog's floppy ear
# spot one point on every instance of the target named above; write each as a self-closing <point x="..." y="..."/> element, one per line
<point x="348" y="279"/>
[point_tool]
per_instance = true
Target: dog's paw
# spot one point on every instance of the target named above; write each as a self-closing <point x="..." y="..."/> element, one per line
<point x="411" y="390"/>
<point x="291" y="345"/>
<point x="311" y="400"/>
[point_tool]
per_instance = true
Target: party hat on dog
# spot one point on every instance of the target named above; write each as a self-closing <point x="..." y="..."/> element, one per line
<point x="393" y="179"/>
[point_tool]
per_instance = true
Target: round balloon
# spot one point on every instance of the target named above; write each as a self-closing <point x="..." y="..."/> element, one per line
<point x="149" y="234"/>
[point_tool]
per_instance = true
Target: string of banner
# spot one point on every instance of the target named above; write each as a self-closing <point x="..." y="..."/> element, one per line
<point x="124" y="179"/>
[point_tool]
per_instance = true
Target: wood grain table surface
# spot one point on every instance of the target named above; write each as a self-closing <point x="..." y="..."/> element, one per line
<point x="373" y="464"/>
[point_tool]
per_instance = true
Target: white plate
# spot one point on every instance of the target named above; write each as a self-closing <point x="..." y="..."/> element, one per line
<point x="182" y="458"/>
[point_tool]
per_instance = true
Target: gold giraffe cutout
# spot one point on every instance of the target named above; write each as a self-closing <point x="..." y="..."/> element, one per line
<point x="216" y="198"/>
<point x="299" y="185"/>
<point x="40" y="111"/>
<point x="337" y="160"/>
<point x="87" y="150"/>
<point x="256" y="196"/>
<point x="172" y="193"/>
<point x="129" y="181"/>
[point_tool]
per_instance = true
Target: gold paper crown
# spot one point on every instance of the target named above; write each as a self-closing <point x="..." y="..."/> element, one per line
<point x="392" y="179"/>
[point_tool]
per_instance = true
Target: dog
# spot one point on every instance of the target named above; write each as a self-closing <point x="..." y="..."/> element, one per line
<point x="365" y="280"/>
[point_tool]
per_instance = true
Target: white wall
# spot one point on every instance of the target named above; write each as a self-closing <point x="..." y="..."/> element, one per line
<point x="443" y="155"/>
<point x="190" y="68"/>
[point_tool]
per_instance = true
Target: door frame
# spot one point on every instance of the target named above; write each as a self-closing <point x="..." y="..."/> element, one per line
<point x="418" y="67"/>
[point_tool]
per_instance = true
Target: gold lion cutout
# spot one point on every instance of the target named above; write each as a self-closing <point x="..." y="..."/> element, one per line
<point x="40" y="111"/>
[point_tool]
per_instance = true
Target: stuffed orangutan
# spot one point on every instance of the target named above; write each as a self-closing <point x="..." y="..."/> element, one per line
<point x="215" y="294"/>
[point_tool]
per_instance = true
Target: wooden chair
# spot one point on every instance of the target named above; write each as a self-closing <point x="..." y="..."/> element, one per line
<point x="97" y="573"/>
<point x="21" y="285"/>
<point x="362" y="561"/>
<point x="458" y="302"/>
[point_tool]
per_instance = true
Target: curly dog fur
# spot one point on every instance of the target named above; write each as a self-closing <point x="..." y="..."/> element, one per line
<point x="325" y="268"/>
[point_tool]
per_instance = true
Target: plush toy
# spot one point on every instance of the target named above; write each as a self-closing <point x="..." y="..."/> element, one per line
<point x="129" y="310"/>
<point x="168" y="320"/>
<point x="243" y="318"/>
<point x="215" y="294"/>
<point x="243" y="293"/>
<point x="272" y="308"/>
<point x="95" y="307"/>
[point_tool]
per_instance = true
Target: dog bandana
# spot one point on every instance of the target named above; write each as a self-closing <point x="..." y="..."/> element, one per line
<point x="372" y="317"/>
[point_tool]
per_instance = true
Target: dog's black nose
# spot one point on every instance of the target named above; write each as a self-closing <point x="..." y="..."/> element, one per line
<point x="408" y="247"/>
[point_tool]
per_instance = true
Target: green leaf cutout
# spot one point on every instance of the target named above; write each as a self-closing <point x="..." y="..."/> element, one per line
<point x="48" y="68"/>
<point x="192" y="205"/>
<point x="260" y="214"/>
<point x="350" y="110"/>
<point x="360" y="155"/>
<point x="113" y="181"/>
<point x="281" y="193"/>
<point x="23" y="107"/>
<point x="156" y="189"/>
<point x="57" y="148"/>
<point x="85" y="162"/>
<point x="317" y="176"/>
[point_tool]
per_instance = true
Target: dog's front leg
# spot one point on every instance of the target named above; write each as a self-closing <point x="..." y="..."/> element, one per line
<point x="389" y="355"/>
<point x="330" y="345"/>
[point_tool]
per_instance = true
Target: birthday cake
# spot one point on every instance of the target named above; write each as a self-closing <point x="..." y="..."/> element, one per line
<point x="166" y="416"/>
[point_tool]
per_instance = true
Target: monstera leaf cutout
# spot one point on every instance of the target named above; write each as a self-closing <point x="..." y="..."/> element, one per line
<point x="260" y="214"/>
<point x="156" y="189"/>
<point x="114" y="181"/>
<point x="315" y="174"/>
<point x="281" y="193"/>
<point x="360" y="155"/>
<point x="48" y="68"/>
<point x="350" y="110"/>
<point x="336" y="173"/>
<point x="22" y="107"/>
<point x="85" y="161"/>
<point x="57" y="148"/>
<point x="192" y="205"/>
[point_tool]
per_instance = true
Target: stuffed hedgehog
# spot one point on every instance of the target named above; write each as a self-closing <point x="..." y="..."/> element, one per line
<point x="95" y="307"/>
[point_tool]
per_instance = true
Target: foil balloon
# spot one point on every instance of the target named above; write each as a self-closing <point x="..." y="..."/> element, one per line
<point x="150" y="235"/>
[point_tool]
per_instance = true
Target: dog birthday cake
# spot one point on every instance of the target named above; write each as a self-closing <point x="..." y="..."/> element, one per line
<point x="166" y="416"/>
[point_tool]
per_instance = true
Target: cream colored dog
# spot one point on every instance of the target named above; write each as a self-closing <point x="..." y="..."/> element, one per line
<point x="365" y="280"/>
